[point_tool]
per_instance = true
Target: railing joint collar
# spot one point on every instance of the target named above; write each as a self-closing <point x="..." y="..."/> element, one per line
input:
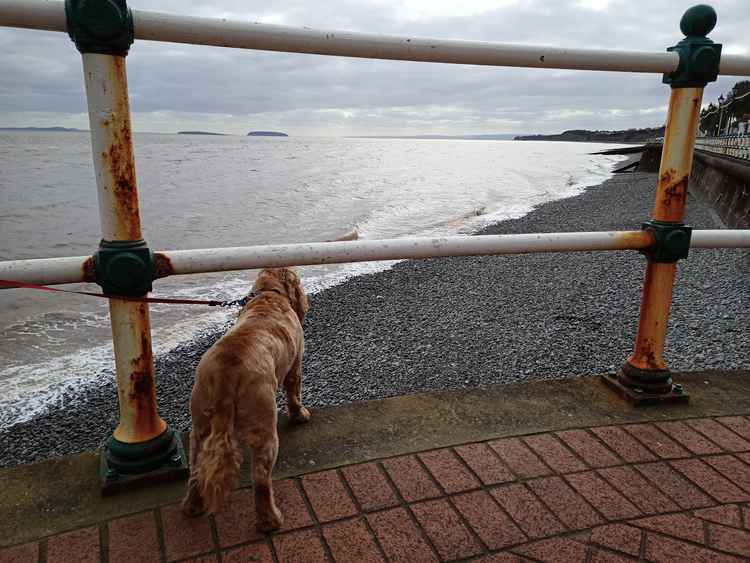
<point x="100" y="26"/>
<point x="671" y="241"/>
<point x="124" y="267"/>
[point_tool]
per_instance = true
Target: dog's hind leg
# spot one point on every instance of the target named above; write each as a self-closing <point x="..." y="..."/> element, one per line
<point x="264" y="458"/>
<point x="257" y="427"/>
<point x="192" y="504"/>
<point x="293" y="388"/>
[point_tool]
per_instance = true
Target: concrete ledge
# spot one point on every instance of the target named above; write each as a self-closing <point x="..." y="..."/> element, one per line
<point x="62" y="494"/>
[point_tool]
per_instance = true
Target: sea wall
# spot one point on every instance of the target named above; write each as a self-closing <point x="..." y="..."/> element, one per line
<point x="722" y="182"/>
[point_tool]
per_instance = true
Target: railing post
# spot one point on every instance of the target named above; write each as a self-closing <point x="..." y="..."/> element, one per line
<point x="645" y="378"/>
<point x="142" y="443"/>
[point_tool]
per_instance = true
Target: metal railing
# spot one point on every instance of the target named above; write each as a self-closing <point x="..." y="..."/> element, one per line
<point x="124" y="265"/>
<point x="736" y="146"/>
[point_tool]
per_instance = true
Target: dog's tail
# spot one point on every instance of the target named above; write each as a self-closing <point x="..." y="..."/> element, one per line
<point x="219" y="459"/>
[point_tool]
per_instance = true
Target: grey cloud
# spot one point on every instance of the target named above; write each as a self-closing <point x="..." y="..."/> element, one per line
<point x="176" y="86"/>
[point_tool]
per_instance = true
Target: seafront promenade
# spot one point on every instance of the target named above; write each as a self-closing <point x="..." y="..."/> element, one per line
<point x="551" y="471"/>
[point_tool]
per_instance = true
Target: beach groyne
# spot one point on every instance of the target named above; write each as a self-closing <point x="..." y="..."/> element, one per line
<point x="723" y="183"/>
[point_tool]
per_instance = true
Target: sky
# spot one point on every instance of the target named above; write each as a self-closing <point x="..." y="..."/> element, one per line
<point x="177" y="87"/>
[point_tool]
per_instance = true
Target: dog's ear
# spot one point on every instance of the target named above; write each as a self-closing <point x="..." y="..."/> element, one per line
<point x="296" y="294"/>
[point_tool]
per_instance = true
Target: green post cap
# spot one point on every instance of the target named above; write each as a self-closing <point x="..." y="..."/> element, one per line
<point x="699" y="56"/>
<point x="100" y="26"/>
<point x="698" y="21"/>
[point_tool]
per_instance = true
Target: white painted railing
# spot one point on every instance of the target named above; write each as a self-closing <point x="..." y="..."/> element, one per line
<point x="737" y="146"/>
<point x="173" y="28"/>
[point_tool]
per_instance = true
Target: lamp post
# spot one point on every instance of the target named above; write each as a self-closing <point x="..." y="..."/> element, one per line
<point x="721" y="114"/>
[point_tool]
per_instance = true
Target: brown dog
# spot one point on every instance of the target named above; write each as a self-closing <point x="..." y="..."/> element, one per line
<point x="234" y="396"/>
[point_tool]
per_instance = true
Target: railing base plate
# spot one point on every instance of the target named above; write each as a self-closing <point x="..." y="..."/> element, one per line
<point x="160" y="468"/>
<point x="639" y="398"/>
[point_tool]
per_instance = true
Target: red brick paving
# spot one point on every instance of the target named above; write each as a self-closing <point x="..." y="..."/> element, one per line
<point x="667" y="491"/>
<point x="618" y="537"/>
<point x="611" y="504"/>
<point x="521" y="460"/>
<point x="689" y="438"/>
<point x="370" y="487"/>
<point x="352" y="541"/>
<point x="729" y="539"/>
<point x="720" y="435"/>
<point x="682" y="526"/>
<point x="657" y="441"/>
<point x="710" y="480"/>
<point x="666" y="550"/>
<point x="303" y="546"/>
<point x="732" y="468"/>
<point x="589" y="448"/>
<point x="679" y="489"/>
<point x="82" y="546"/>
<point x="623" y="444"/>
<point x="638" y="490"/>
<point x="448" y="470"/>
<point x="729" y="514"/>
<point x="738" y="424"/>
<point x="400" y="538"/>
<point x="134" y="539"/>
<point x="493" y="526"/>
<point x="444" y="528"/>
<point x="236" y="523"/>
<point x="256" y="552"/>
<point x="485" y="463"/>
<point x="555" y="550"/>
<point x="527" y="511"/>
<point x="557" y="456"/>
<point x="569" y="507"/>
<point x="26" y="553"/>
<point x="412" y="481"/>
<point x="328" y="496"/>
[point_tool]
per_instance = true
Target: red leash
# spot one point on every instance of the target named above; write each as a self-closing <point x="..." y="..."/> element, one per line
<point x="212" y="303"/>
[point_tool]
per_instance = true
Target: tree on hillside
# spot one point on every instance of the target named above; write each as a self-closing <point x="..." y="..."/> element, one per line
<point x="709" y="119"/>
<point x="739" y="100"/>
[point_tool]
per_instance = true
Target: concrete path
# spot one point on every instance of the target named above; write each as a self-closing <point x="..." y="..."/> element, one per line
<point x="649" y="491"/>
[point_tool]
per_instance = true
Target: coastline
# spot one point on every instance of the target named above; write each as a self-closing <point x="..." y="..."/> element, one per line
<point x="453" y="323"/>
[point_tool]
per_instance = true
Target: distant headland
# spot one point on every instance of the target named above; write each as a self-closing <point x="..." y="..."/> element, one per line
<point x="585" y="136"/>
<point x="59" y="129"/>
<point x="266" y="134"/>
<point x="200" y="133"/>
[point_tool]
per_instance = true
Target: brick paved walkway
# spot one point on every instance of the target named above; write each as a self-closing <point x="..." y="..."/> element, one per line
<point x="668" y="491"/>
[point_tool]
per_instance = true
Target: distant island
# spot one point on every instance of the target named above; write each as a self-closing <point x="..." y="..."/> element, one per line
<point x="62" y="129"/>
<point x="200" y="133"/>
<point x="487" y="137"/>
<point x="266" y="134"/>
<point x="585" y="136"/>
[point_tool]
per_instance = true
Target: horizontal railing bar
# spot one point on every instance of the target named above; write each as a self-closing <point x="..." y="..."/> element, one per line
<point x="157" y="26"/>
<point x="52" y="271"/>
<point x="246" y="258"/>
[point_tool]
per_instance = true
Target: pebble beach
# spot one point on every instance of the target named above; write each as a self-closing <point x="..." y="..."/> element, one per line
<point x="453" y="323"/>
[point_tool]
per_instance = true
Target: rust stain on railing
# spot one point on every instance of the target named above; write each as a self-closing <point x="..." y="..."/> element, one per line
<point x="162" y="265"/>
<point x="119" y="157"/>
<point x="677" y="154"/>
<point x="146" y="423"/>
<point x="88" y="268"/>
<point x="635" y="240"/>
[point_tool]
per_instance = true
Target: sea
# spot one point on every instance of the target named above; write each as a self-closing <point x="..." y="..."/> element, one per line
<point x="199" y="191"/>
